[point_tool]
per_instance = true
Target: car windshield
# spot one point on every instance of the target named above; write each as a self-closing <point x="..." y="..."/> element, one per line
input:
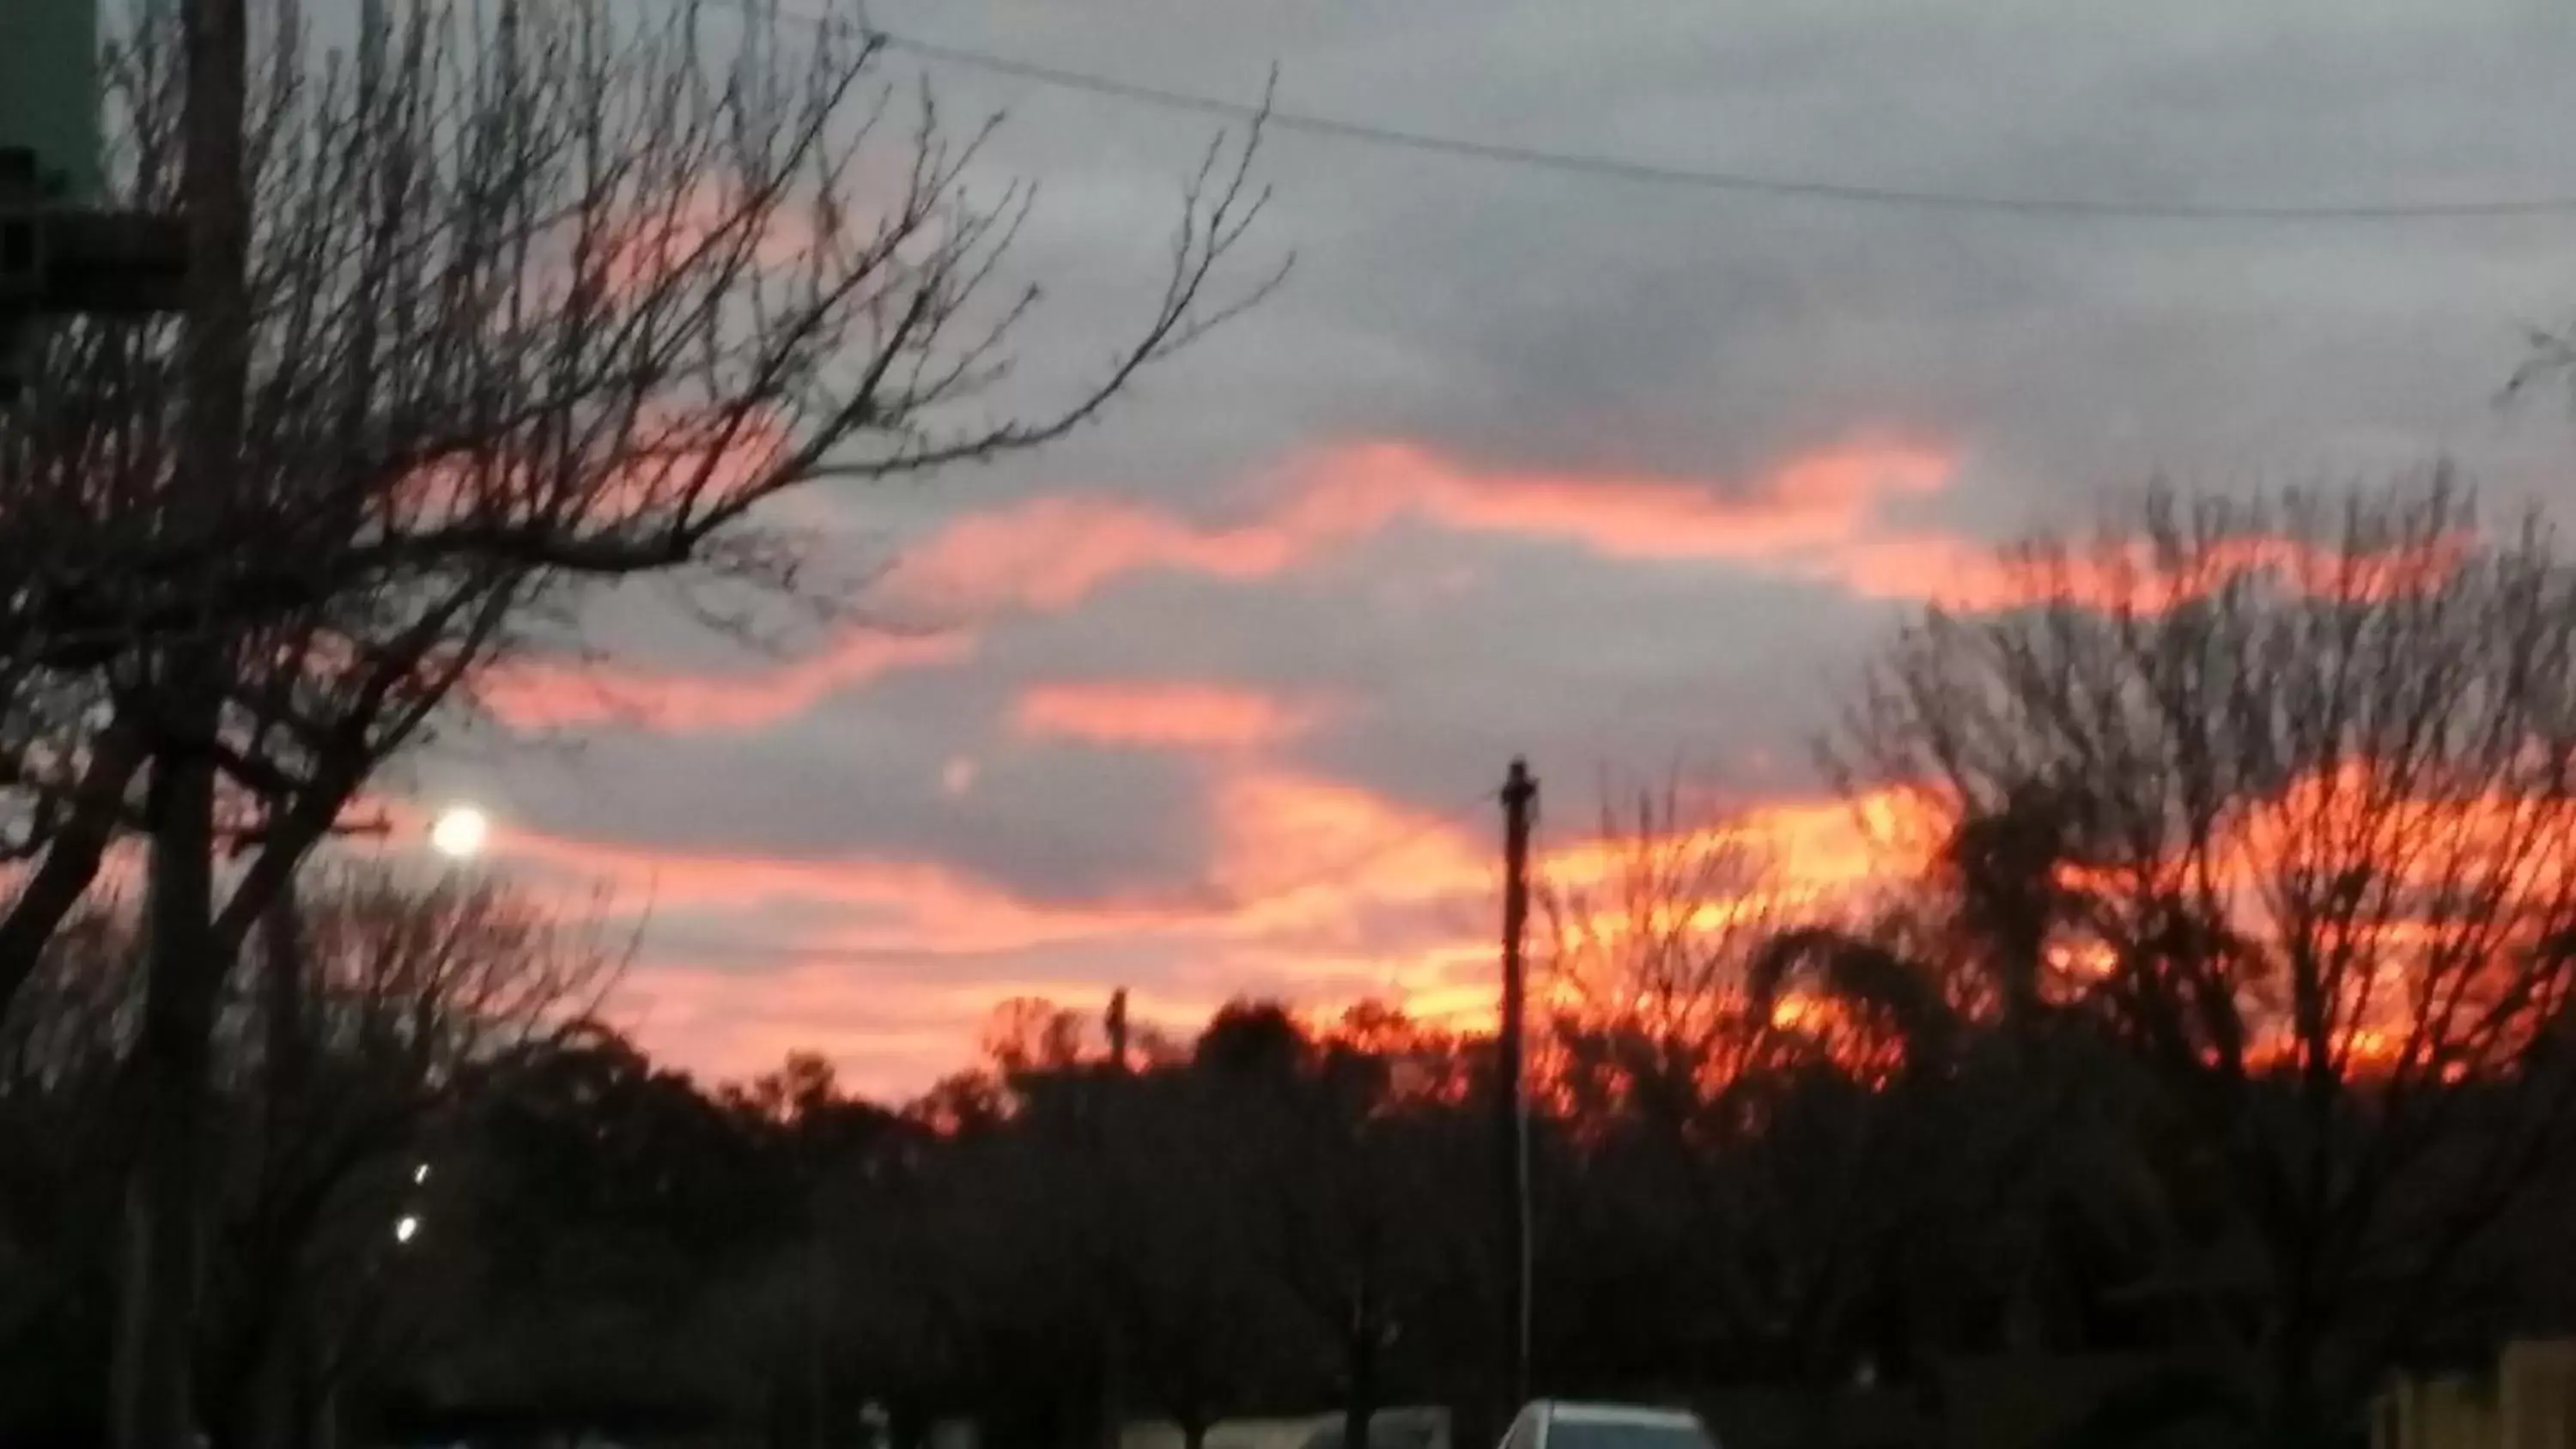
<point x="1624" y="1434"/>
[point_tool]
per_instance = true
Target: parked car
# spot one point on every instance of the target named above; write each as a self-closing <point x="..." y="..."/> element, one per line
<point x="1555" y="1424"/>
<point x="1397" y="1426"/>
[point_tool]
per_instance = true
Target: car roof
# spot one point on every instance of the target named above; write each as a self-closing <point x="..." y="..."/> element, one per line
<point x="1647" y="1414"/>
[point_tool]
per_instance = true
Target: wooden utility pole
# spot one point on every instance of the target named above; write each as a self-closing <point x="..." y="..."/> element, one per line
<point x="286" y="1407"/>
<point x="1520" y="800"/>
<point x="1108" y="1091"/>
<point x="185" y="963"/>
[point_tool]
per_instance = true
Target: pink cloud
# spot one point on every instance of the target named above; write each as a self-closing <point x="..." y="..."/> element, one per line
<point x="887" y="904"/>
<point x="1050" y="553"/>
<point x="1973" y="576"/>
<point x="1821" y="515"/>
<point x="1174" y="715"/>
<point x="890" y="1037"/>
<point x="1815" y="499"/>
<point x="1293" y="842"/>
<point x="540" y="695"/>
<point x="701" y="228"/>
<point x="665" y="463"/>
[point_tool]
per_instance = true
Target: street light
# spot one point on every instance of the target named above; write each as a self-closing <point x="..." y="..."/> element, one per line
<point x="460" y="832"/>
<point x="406" y="1227"/>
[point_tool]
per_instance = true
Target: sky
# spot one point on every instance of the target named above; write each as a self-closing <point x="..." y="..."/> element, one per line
<point x="1213" y="699"/>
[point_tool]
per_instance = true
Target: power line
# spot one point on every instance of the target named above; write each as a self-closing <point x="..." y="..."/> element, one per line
<point x="1723" y="182"/>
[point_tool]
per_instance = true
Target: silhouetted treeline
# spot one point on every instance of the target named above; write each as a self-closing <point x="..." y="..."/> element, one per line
<point x="1270" y="1218"/>
<point x="2206" y="1006"/>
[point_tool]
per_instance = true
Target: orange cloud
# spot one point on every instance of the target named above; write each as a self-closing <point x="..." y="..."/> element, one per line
<point x="1821" y="515"/>
<point x="1172" y="715"/>
<point x="727" y="1024"/>
<point x="887" y="904"/>
<point x="2489" y="843"/>
<point x="1976" y="577"/>
<point x="742" y="957"/>
<point x="1289" y="847"/>
<point x="1314" y="888"/>
<point x="2435" y="958"/>
<point x="665" y="464"/>
<point x="539" y="695"/>
<point x="891" y="1038"/>
<point x="1293" y="842"/>
<point x="1326" y="891"/>
<point x="1810" y="501"/>
<point x="1810" y="847"/>
<point x="1050" y="553"/>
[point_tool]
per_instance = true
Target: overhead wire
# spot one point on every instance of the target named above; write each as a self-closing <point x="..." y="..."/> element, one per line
<point x="1771" y="186"/>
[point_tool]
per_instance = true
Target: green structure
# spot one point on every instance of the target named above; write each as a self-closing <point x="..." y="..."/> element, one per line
<point x="60" y="255"/>
<point x="49" y="90"/>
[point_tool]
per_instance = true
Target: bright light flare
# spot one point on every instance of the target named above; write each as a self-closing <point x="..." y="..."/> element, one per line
<point x="406" y="1228"/>
<point x="460" y="832"/>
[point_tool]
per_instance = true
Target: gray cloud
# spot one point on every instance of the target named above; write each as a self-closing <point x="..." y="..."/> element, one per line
<point x="1522" y="320"/>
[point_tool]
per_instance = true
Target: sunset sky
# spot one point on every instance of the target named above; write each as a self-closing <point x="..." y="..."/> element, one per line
<point x="1212" y="699"/>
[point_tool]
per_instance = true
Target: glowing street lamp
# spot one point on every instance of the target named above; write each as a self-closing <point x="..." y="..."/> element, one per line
<point x="460" y="832"/>
<point x="406" y="1227"/>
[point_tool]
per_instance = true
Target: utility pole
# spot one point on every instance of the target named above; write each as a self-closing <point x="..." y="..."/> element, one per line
<point x="1520" y="800"/>
<point x="185" y="965"/>
<point x="1109" y="1089"/>
<point x="287" y="1370"/>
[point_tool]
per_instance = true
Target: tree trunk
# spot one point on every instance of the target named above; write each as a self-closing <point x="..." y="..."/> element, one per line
<point x="2297" y="1410"/>
<point x="284" y="1417"/>
<point x="61" y="881"/>
<point x="1111" y="1407"/>
<point x="1816" y="1405"/>
<point x="282" y="1401"/>
<point x="818" y="1393"/>
<point x="1359" y="1405"/>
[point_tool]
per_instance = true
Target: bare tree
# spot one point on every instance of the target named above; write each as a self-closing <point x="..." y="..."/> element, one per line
<point x="2298" y="785"/>
<point x="64" y="1123"/>
<point x="1648" y="960"/>
<point x="418" y="999"/>
<point x="1801" y="1122"/>
<point x="535" y="296"/>
<point x="504" y="300"/>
